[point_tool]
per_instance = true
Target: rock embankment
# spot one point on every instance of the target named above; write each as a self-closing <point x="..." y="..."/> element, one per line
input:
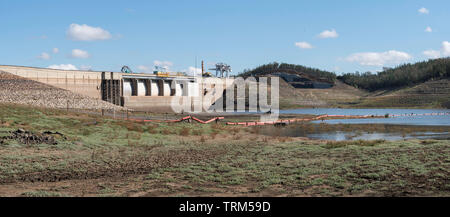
<point x="19" y="90"/>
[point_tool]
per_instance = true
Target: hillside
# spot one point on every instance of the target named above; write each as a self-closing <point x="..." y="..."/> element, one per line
<point x="420" y="85"/>
<point x="430" y="94"/>
<point x="337" y="96"/>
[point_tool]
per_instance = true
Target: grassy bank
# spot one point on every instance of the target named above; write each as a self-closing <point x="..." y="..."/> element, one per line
<point x="106" y="157"/>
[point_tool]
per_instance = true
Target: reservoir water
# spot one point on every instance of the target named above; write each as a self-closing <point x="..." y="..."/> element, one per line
<point x="406" y="124"/>
<point x="408" y="116"/>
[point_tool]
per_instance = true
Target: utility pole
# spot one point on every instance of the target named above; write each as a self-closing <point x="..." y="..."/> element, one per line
<point x="203" y="68"/>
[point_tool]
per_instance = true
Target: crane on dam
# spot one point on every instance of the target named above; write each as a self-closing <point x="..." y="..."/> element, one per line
<point x="126" y="69"/>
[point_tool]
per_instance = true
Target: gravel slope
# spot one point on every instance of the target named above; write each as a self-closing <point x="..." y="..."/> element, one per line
<point x="19" y="90"/>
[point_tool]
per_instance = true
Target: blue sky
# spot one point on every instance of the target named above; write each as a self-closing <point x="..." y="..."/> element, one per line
<point x="340" y="36"/>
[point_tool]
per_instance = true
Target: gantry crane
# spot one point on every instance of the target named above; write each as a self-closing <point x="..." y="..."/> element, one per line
<point x="221" y="68"/>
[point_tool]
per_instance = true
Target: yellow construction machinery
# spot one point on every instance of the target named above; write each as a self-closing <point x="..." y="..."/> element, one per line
<point x="161" y="71"/>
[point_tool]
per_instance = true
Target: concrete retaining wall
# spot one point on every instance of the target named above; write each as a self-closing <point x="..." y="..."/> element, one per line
<point x="82" y="82"/>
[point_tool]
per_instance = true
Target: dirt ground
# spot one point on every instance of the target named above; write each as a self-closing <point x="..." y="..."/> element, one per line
<point x="130" y="186"/>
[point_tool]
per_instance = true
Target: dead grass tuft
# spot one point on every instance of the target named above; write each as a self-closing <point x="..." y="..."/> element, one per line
<point x="213" y="135"/>
<point x="197" y="132"/>
<point x="184" y="131"/>
<point x="166" y="131"/>
<point x="202" y="139"/>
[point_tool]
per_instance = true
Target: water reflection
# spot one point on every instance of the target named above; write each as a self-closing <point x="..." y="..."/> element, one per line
<point x="340" y="132"/>
<point x="340" y="136"/>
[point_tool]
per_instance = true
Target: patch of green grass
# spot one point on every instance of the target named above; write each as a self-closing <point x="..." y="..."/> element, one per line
<point x="42" y="194"/>
<point x="340" y="144"/>
<point x="104" y="189"/>
<point x="351" y="167"/>
<point x="186" y="187"/>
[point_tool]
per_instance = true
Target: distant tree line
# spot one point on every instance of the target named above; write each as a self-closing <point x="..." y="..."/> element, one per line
<point x="404" y="75"/>
<point x="274" y="67"/>
<point x="389" y="78"/>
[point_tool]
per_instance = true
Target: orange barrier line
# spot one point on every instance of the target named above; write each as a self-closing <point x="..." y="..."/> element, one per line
<point x="179" y="120"/>
<point x="288" y="121"/>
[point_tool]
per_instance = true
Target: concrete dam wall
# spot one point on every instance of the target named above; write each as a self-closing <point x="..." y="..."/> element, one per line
<point x="144" y="92"/>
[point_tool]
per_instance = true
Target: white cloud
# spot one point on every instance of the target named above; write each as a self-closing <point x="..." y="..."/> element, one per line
<point x="379" y="59"/>
<point x="160" y="63"/>
<point x="86" y="68"/>
<point x="55" y="50"/>
<point x="445" y="51"/>
<point x="432" y="54"/>
<point x="445" y="48"/>
<point x="87" y="33"/>
<point x="194" y="71"/>
<point x="329" y="34"/>
<point x="77" y="53"/>
<point x="303" y="45"/>
<point x="149" y="69"/>
<point x="44" y="56"/>
<point x="428" y="29"/>
<point x="63" y="67"/>
<point x="165" y="64"/>
<point x="424" y="11"/>
<point x="145" y="69"/>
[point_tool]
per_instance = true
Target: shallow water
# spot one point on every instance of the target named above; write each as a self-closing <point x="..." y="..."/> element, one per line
<point x="340" y="136"/>
<point x="340" y="132"/>
<point x="439" y="120"/>
<point x="340" y="111"/>
<point x="410" y="116"/>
